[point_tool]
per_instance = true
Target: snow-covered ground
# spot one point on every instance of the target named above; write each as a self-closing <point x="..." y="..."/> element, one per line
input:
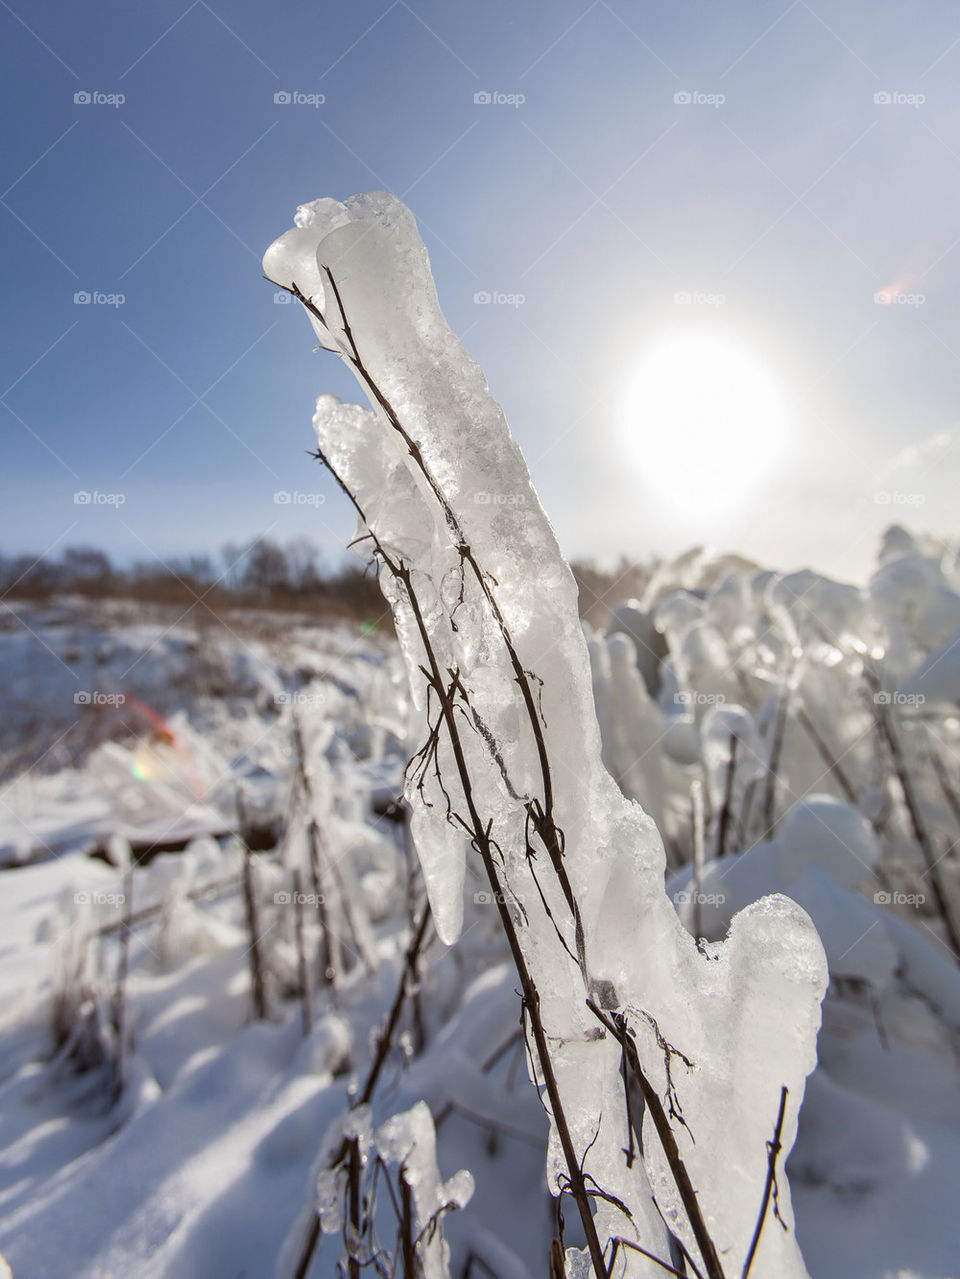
<point x="201" y="1166"/>
<point x="199" y="1162"/>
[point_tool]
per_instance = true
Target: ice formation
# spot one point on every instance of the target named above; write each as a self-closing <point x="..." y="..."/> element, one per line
<point x="487" y="617"/>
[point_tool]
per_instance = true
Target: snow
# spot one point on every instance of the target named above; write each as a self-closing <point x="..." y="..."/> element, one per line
<point x="190" y="1139"/>
<point x="233" y="1114"/>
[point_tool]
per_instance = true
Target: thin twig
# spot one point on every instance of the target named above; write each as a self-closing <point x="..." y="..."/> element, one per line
<point x="914" y="811"/>
<point x="826" y="754"/>
<point x="773" y="1147"/>
<point x="302" y="974"/>
<point x="384" y="1043"/>
<point x="726" y="809"/>
<point x="257" y="984"/>
<point x="618" y="1028"/>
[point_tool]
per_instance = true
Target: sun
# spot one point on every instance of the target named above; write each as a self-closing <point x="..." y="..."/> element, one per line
<point x="705" y="422"/>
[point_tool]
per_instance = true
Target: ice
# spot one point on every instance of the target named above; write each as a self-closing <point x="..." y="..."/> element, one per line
<point x="818" y="607"/>
<point x="936" y="678"/>
<point x="733" y="757"/>
<point x="631" y="724"/>
<point x="486" y="613"/>
<point x="677" y="611"/>
<point x="443" y="862"/>
<point x="203" y="1166"/>
<point x="648" y="642"/>
<point x="917" y="609"/>
<point x="409" y="1140"/>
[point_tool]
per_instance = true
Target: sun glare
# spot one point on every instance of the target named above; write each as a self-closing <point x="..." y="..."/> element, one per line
<point x="705" y="422"/>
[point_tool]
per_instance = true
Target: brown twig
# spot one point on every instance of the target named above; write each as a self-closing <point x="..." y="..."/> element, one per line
<point x="257" y="983"/>
<point x="826" y="754"/>
<point x="773" y="1147"/>
<point x="384" y="1042"/>
<point x="726" y="808"/>
<point x="406" y="1228"/>
<point x="302" y="974"/>
<point x="353" y="1205"/>
<point x="617" y="1027"/>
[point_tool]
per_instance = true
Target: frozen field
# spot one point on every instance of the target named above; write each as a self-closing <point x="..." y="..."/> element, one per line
<point x="182" y="1143"/>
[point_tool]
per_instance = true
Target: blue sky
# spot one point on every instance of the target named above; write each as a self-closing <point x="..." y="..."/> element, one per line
<point x="599" y="199"/>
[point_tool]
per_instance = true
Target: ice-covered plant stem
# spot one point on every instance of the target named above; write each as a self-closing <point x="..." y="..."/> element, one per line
<point x="718" y="1039"/>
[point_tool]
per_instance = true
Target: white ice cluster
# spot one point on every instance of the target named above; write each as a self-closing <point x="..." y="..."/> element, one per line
<point x="486" y="607"/>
